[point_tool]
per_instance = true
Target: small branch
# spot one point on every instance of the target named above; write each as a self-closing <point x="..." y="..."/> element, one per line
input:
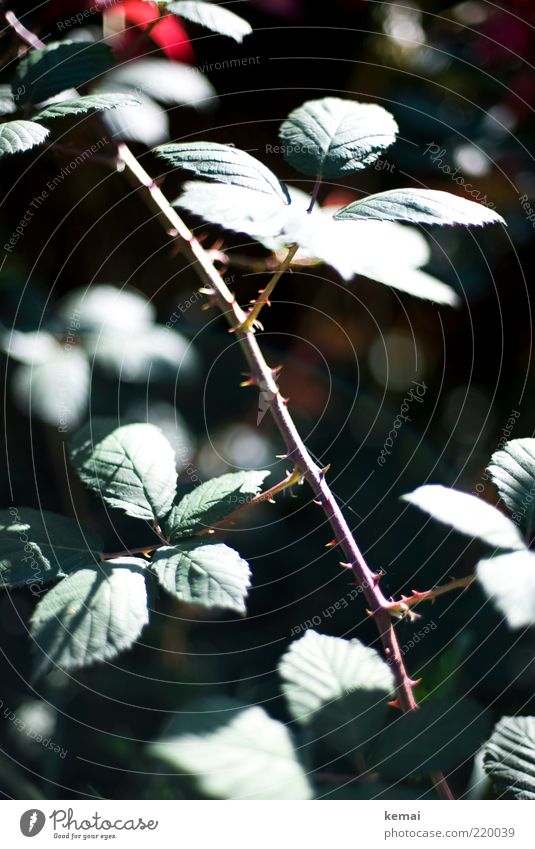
<point x="292" y="479"/>
<point x="129" y="552"/>
<point x="251" y="320"/>
<point x="402" y="606"/>
<point x="270" y="263"/>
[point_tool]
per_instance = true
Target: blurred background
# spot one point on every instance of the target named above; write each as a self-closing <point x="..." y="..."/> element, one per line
<point x="459" y="80"/>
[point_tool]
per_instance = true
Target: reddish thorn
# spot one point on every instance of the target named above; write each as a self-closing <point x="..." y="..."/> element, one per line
<point x="415" y="682"/>
<point x="395" y="704"/>
<point x="332" y="543"/>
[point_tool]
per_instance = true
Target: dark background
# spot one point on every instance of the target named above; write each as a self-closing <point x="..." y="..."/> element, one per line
<point x="458" y="79"/>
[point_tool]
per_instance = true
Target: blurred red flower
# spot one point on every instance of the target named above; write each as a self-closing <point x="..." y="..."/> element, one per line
<point x="168" y="33"/>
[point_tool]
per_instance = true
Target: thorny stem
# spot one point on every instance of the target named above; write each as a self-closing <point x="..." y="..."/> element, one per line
<point x="292" y="479"/>
<point x="297" y="452"/>
<point x="251" y="320"/>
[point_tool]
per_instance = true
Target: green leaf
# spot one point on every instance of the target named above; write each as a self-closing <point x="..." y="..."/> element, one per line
<point x="420" y="206"/>
<point x="42" y="74"/>
<point x="210" y="502"/>
<point x="104" y="308"/>
<point x="159" y="353"/>
<point x="234" y="208"/>
<point x="440" y="735"/>
<point x="37" y="547"/>
<point x="223" y="164"/>
<point x="509" y="582"/>
<point x="509" y="757"/>
<point x="513" y="472"/>
<point x="215" y="18"/>
<point x="18" y="136"/>
<point x="250" y="756"/>
<point x="84" y="105"/>
<point x="91" y="615"/>
<point x="131" y="467"/>
<point x="339" y="687"/>
<point x="168" y="82"/>
<point x="468" y="515"/>
<point x="54" y="390"/>
<point x="331" y="136"/>
<point x="207" y="573"/>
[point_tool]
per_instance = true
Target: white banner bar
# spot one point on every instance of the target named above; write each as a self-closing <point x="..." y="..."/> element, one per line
<point x="268" y="825"/>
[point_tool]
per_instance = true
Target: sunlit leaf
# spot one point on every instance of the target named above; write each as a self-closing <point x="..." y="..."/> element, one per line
<point x="234" y="208"/>
<point x="223" y="164"/>
<point x="18" y="136"/>
<point x="339" y="687"/>
<point x="509" y="581"/>
<point x="207" y="573"/>
<point x="468" y="515"/>
<point x="512" y="469"/>
<point x="250" y="756"/>
<point x="85" y="105"/>
<point x="332" y="136"/>
<point x="91" y="615"/>
<point x="131" y="467"/>
<point x="420" y="206"/>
